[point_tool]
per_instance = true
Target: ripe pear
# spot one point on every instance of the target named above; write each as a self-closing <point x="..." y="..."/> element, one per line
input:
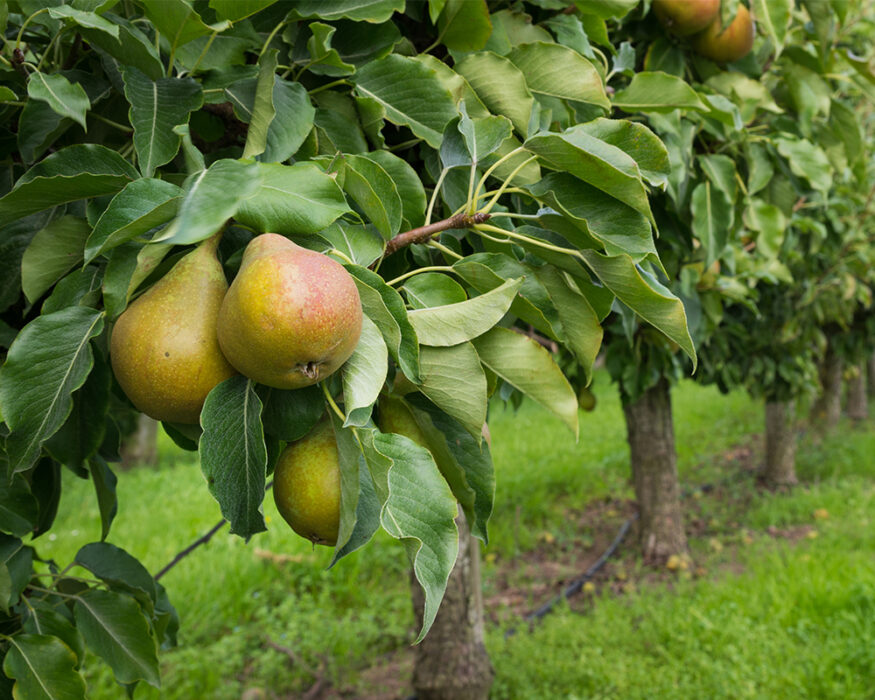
<point x="306" y="485"/>
<point x="686" y="17"/>
<point x="291" y="317"/>
<point x="729" y="44"/>
<point x="164" y="350"/>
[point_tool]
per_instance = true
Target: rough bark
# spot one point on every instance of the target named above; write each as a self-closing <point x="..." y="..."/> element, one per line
<point x="650" y="432"/>
<point x="858" y="405"/>
<point x="452" y="662"/>
<point x="780" y="467"/>
<point x="871" y="374"/>
<point x="140" y="448"/>
<point x="827" y="410"/>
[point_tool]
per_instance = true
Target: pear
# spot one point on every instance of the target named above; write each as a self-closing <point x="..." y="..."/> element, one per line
<point x="291" y="317"/>
<point x="306" y="485"/>
<point x="164" y="350"/>
<point x="728" y="44"/>
<point x="686" y="17"/>
<point x="586" y="399"/>
<point x="396" y="417"/>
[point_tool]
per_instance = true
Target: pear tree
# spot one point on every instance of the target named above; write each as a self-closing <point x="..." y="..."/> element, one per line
<point x="463" y="171"/>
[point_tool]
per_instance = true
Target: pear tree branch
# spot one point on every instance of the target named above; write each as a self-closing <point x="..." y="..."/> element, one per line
<point x="423" y="233"/>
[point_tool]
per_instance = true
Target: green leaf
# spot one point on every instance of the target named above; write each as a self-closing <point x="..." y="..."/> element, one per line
<point x="774" y="17"/>
<point x="17" y="561"/>
<point x="263" y="109"/>
<point x="453" y="379"/>
<point x="512" y="28"/>
<point x="769" y="223"/>
<point x="805" y="160"/>
<point x="557" y="71"/>
<point x="44" y="668"/>
<point x="524" y="364"/>
<point x="645" y="296"/>
<point x="606" y="9"/>
<point x="433" y="289"/>
<point x="178" y="21"/>
<point x="359" y="10"/>
<point x="580" y="322"/>
<point x="65" y="98"/>
<point x="612" y="224"/>
<point x="638" y="142"/>
<point x="407" y="183"/>
<point x="235" y="10"/>
<point x="596" y="162"/>
<point x="464" y="25"/>
<point x="289" y="414"/>
<point x="87" y="20"/>
<point x="374" y="191"/>
<point x="442" y="326"/>
<point x="712" y="215"/>
<point x="141" y="206"/>
<point x="233" y="453"/>
<point x="49" y="360"/>
<point x="156" y="108"/>
<point x="500" y="85"/>
<point x="52" y="253"/>
<point x="325" y="60"/>
<point x="361" y="244"/>
<point x="292" y="199"/>
<point x="721" y="172"/>
<point x="349" y="458"/>
<point x="658" y="92"/>
<point x="74" y="172"/>
<point x="482" y="136"/>
<point x="364" y="374"/>
<point x="18" y="508"/>
<point x="104" y="487"/>
<point x="43" y="618"/>
<point x="420" y="510"/>
<point x="115" y="566"/>
<point x="411" y="94"/>
<point x="130" y="48"/>
<point x="115" y="629"/>
<point x="212" y="196"/>
<point x="367" y="510"/>
<point x="385" y="307"/>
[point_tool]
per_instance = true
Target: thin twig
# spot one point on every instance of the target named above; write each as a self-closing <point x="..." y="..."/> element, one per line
<point x="423" y="233"/>
<point x="193" y="546"/>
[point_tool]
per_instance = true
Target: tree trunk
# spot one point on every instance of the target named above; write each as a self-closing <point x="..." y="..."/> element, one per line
<point x="654" y="469"/>
<point x="858" y="408"/>
<point x="827" y="410"/>
<point x="780" y="468"/>
<point x="452" y="662"/>
<point x="140" y="448"/>
<point x="871" y="372"/>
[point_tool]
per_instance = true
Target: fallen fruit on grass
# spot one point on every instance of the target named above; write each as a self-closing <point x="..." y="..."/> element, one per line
<point x="728" y="44"/>
<point x="164" y="350"/>
<point x="686" y="17"/>
<point x="291" y="317"/>
<point x="306" y="485"/>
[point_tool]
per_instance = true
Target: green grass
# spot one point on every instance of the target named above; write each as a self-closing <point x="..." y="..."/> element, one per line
<point x="797" y="621"/>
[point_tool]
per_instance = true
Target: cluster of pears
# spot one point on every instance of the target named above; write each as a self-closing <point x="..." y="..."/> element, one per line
<point x="700" y="20"/>
<point x="291" y="317"/>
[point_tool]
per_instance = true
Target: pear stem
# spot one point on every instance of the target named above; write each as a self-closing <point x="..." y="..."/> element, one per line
<point x="423" y="233"/>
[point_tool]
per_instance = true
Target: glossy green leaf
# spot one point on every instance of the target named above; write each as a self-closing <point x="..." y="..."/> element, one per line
<point x="411" y="94"/>
<point x="65" y="98"/>
<point x="433" y="289"/>
<point x="141" y="206"/>
<point x="289" y="414"/>
<point x="637" y="141"/>
<point x="361" y="244"/>
<point x="712" y="216"/>
<point x="74" y="172"/>
<point x="464" y="25"/>
<point x="500" y="85"/>
<point x="235" y="10"/>
<point x="360" y="10"/>
<point x="156" y="108"/>
<point x="44" y="668"/>
<point x="442" y="326"/>
<point x="419" y="510"/>
<point x="104" y="488"/>
<point x="658" y="92"/>
<point x="115" y="629"/>
<point x="44" y="618"/>
<point x="233" y="454"/>
<point x="371" y="187"/>
<point x="130" y="48"/>
<point x="364" y="374"/>
<point x="49" y="360"/>
<point x="53" y="252"/>
<point x="527" y="366"/>
<point x="263" y="109"/>
<point x="115" y="566"/>
<point x="453" y="379"/>
<point x="178" y="21"/>
<point x="18" y="508"/>
<point x="81" y="18"/>
<point x="325" y="60"/>
<point x="292" y="199"/>
<point x="407" y="183"/>
<point x="211" y="197"/>
<point x="557" y="71"/>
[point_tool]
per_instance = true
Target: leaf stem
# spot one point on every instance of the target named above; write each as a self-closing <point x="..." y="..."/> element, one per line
<point x="342" y="255"/>
<point x="110" y="122"/>
<point x="271" y="36"/>
<point x="506" y="183"/>
<point x="342" y="81"/>
<point x="434" y="194"/>
<point x="203" y="53"/>
<point x="492" y="168"/>
<point x="443" y="249"/>
<point x="331" y="402"/>
<point x="47" y="49"/>
<point x="527" y="239"/>
<point x="432" y="268"/>
<point x="24" y="25"/>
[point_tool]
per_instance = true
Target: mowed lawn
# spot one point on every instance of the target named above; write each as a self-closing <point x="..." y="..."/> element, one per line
<point x="780" y="601"/>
